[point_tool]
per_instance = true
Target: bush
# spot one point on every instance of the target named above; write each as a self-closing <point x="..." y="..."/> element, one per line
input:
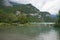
<point x="7" y="18"/>
<point x="22" y="19"/>
<point x="57" y="25"/>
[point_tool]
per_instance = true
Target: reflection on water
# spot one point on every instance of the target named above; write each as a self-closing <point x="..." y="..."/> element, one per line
<point x="47" y="34"/>
<point x="51" y="35"/>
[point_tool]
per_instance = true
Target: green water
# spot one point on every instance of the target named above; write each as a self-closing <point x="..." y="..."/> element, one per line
<point x="34" y="29"/>
<point x="29" y="32"/>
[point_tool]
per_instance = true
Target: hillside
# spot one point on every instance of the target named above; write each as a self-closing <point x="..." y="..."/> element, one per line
<point x="27" y="9"/>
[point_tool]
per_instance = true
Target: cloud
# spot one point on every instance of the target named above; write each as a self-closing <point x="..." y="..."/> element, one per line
<point x="52" y="6"/>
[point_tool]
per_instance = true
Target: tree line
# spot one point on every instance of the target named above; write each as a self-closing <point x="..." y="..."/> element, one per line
<point x="12" y="18"/>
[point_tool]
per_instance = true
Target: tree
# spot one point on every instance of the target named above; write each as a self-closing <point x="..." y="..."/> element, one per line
<point x="22" y="18"/>
<point x="11" y="18"/>
<point x="57" y="25"/>
<point x="7" y="18"/>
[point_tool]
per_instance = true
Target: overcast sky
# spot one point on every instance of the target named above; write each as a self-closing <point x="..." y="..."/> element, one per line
<point x="51" y="6"/>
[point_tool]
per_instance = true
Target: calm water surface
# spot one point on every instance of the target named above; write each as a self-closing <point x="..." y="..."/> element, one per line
<point x="31" y="33"/>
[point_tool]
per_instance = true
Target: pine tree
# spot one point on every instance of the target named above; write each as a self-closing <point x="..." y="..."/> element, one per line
<point x="57" y="25"/>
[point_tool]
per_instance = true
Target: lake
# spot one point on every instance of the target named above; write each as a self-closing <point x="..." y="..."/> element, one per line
<point x="29" y="32"/>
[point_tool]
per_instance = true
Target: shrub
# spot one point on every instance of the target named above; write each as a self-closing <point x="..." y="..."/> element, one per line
<point x="22" y="19"/>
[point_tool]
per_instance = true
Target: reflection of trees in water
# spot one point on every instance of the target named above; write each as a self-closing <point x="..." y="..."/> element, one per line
<point x="57" y="25"/>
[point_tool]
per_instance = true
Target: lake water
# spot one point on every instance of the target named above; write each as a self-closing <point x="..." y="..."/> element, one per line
<point x="37" y="32"/>
<point x="51" y="35"/>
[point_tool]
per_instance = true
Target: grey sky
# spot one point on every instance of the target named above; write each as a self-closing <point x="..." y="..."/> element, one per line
<point x="51" y="6"/>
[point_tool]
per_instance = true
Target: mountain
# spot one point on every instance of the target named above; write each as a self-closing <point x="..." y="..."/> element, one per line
<point x="15" y="4"/>
<point x="25" y="8"/>
<point x="28" y="9"/>
<point x="54" y="16"/>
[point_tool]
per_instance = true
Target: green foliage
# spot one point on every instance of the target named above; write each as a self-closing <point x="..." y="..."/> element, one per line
<point x="47" y="17"/>
<point x="7" y="18"/>
<point x="34" y="19"/>
<point x="57" y="25"/>
<point x="22" y="19"/>
<point x="12" y="18"/>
